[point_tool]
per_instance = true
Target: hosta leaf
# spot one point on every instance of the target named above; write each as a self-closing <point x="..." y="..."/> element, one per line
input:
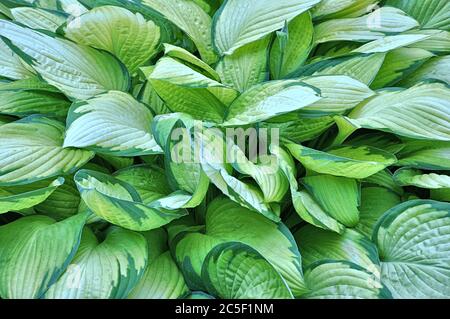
<point x="28" y="97"/>
<point x="215" y="166"/>
<point x="299" y="129"/>
<point x="190" y="252"/>
<point x="190" y="18"/>
<point x="425" y="155"/>
<point x="408" y="176"/>
<point x="339" y="93"/>
<point x="228" y="221"/>
<point x="120" y="204"/>
<point x="362" y="67"/>
<point x="183" y="170"/>
<point x="191" y="60"/>
<point x="430" y="13"/>
<point x="112" y="123"/>
<point x="269" y="99"/>
<point x="62" y="203"/>
<point x="291" y="46"/>
<point x="419" y="112"/>
<point x="78" y="71"/>
<point x="441" y="194"/>
<point x="305" y="206"/>
<point x="339" y="196"/>
<point x="186" y="90"/>
<point x="375" y="201"/>
<point x="398" y="65"/>
<point x="11" y="65"/>
<point x="384" y="141"/>
<point x="318" y="245"/>
<point x="373" y="26"/>
<point x="128" y="36"/>
<point x="247" y="66"/>
<point x="412" y="240"/>
<point x="148" y="181"/>
<point x="385" y="179"/>
<point x="438" y="41"/>
<point x="389" y="43"/>
<point x="161" y="280"/>
<point x="31" y="149"/>
<point x="343" y="280"/>
<point x="347" y="161"/>
<point x="100" y="270"/>
<point x="258" y="18"/>
<point x="330" y="9"/>
<point x="237" y="271"/>
<point x="437" y="68"/>
<point x="36" y="18"/>
<point x="16" y="198"/>
<point x="35" y="251"/>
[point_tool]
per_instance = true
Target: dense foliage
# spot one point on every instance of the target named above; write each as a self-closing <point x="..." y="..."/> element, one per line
<point x="348" y="196"/>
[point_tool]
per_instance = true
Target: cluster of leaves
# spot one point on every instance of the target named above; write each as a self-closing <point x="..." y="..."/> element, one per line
<point x="93" y="204"/>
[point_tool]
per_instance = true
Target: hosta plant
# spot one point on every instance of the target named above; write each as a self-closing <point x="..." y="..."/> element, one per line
<point x="224" y="149"/>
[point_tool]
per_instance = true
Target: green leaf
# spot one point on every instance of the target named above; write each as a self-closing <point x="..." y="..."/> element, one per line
<point x="347" y="161"/>
<point x="339" y="196"/>
<point x="237" y="271"/>
<point x="425" y="155"/>
<point x="270" y="99"/>
<point x="319" y="245"/>
<point x="190" y="252"/>
<point x="148" y="181"/>
<point x="412" y="240"/>
<point x="343" y="280"/>
<point x="361" y="67"/>
<point x="375" y="201"/>
<point x="161" y="280"/>
<point x="259" y="18"/>
<point x="291" y="46"/>
<point x="36" y="18"/>
<point x="436" y="68"/>
<point x="441" y="194"/>
<point x="419" y="112"/>
<point x="106" y="269"/>
<point x="408" y="176"/>
<point x="185" y="90"/>
<point x="339" y="93"/>
<point x="372" y="26"/>
<point x="297" y="129"/>
<point x="385" y="179"/>
<point x="392" y="42"/>
<point x="431" y="14"/>
<point x="303" y="203"/>
<point x="128" y="36"/>
<point x="247" y="66"/>
<point x="438" y="41"/>
<point x="113" y="123"/>
<point x="191" y="60"/>
<point x="11" y="65"/>
<point x="332" y="9"/>
<point x="16" y="198"/>
<point x="120" y="204"/>
<point x="35" y="251"/>
<point x="384" y="141"/>
<point x="78" y="71"/>
<point x="27" y="97"/>
<point x="62" y="203"/>
<point x="218" y="170"/>
<point x="31" y="149"/>
<point x="190" y="18"/>
<point x="398" y="65"/>
<point x="228" y="221"/>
